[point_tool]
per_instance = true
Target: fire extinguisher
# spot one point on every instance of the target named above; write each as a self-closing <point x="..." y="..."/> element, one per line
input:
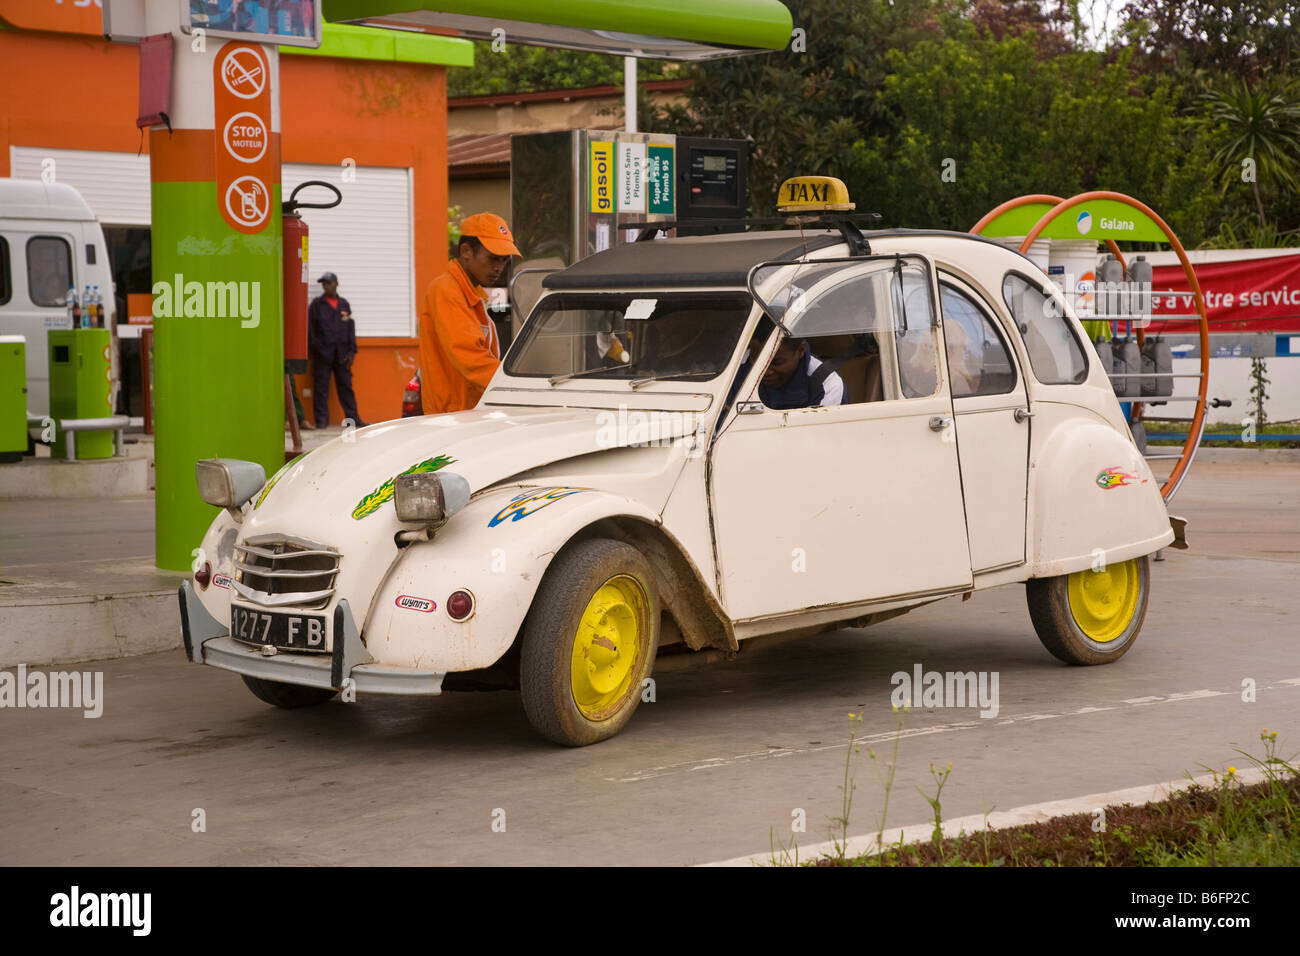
<point x="297" y="274"/>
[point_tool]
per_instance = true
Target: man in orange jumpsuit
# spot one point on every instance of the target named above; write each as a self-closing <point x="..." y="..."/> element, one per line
<point x="459" y="350"/>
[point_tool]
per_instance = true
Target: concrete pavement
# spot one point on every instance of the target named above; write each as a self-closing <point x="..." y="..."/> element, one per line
<point x="727" y="755"/>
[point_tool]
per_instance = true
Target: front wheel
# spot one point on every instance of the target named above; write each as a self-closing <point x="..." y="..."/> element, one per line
<point x="589" y="642"/>
<point x="288" y="696"/>
<point x="1090" y="617"/>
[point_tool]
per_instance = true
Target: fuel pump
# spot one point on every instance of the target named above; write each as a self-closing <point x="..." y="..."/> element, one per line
<point x="296" y="279"/>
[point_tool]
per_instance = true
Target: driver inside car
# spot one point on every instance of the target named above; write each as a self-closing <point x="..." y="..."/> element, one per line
<point x="795" y="378"/>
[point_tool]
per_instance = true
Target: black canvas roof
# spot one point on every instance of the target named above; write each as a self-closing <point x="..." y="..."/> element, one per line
<point x="722" y="260"/>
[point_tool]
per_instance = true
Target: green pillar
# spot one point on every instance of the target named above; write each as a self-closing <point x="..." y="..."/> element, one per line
<point x="216" y="248"/>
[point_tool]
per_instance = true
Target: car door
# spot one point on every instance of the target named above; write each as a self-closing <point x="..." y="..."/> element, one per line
<point x="992" y="420"/>
<point x="853" y="503"/>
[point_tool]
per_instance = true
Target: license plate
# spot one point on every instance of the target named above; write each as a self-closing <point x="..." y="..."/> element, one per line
<point x="293" y="632"/>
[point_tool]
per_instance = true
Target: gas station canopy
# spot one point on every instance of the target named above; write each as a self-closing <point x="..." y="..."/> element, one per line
<point x="656" y="29"/>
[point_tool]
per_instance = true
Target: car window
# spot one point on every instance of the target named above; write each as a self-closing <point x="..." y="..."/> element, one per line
<point x="6" y="287"/>
<point x="680" y="335"/>
<point x="872" y="322"/>
<point x="916" y="336"/>
<point x="49" y="270"/>
<point x="979" y="362"/>
<point x="1054" y="352"/>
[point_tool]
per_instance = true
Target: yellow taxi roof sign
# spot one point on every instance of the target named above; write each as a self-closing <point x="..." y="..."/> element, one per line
<point x="813" y="194"/>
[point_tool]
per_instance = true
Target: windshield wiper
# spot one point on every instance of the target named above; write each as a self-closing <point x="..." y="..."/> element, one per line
<point x="647" y="379"/>
<point x="557" y="379"/>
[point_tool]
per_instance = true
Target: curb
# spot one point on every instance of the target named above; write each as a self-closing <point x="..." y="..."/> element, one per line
<point x="1034" y="813"/>
<point x="126" y="477"/>
<point x="89" y="628"/>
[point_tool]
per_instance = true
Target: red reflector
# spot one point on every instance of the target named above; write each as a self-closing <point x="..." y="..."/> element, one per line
<point x="460" y="605"/>
<point x="204" y="575"/>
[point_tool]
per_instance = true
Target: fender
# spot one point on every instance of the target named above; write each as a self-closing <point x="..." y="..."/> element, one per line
<point x="218" y="549"/>
<point x="1092" y="496"/>
<point x="497" y="548"/>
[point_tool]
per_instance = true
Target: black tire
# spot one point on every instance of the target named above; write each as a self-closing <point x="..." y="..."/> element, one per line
<point x="1054" y="621"/>
<point x="288" y="696"/>
<point x="551" y="634"/>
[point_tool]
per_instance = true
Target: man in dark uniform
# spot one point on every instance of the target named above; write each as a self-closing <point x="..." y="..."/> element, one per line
<point x="332" y="341"/>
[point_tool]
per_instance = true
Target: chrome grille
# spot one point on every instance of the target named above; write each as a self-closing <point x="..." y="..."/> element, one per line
<point x="276" y="570"/>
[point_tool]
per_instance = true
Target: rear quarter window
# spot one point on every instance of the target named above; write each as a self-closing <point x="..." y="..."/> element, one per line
<point x="1055" y="354"/>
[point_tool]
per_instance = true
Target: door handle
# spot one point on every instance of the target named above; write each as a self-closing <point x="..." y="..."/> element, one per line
<point x="749" y="408"/>
<point x="1023" y="415"/>
<point x="938" y="423"/>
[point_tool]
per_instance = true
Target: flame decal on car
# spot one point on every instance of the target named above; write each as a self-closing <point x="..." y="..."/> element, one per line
<point x="1114" y="478"/>
<point x="274" y="478"/>
<point x="371" y="502"/>
<point x="521" y="506"/>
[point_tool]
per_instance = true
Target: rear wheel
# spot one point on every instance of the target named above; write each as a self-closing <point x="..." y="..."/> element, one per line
<point x="288" y="696"/>
<point x="1090" y="617"/>
<point x="589" y="642"/>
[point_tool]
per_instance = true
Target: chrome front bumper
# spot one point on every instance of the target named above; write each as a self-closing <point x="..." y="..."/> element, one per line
<point x="208" y="641"/>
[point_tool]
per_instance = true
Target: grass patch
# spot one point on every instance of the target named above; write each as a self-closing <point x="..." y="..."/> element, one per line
<point x="1228" y="823"/>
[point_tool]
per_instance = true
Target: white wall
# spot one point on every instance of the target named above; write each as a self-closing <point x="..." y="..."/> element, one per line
<point x="1230" y="379"/>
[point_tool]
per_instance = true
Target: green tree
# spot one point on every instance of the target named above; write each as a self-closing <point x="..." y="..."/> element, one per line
<point x="1243" y="38"/>
<point x="1261" y="138"/>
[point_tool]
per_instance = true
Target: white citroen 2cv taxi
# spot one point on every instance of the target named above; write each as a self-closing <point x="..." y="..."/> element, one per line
<point x="694" y="443"/>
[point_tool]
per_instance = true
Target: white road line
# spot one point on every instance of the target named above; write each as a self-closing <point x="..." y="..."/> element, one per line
<point x="1034" y="813"/>
<point x="710" y="763"/>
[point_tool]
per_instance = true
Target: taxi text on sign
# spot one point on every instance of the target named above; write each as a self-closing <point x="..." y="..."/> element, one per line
<point x="246" y="164"/>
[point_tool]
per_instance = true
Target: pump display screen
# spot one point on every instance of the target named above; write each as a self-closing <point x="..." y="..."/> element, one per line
<point x="714" y="177"/>
<point x="285" y="22"/>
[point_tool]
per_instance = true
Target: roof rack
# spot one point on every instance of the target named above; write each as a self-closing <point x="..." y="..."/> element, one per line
<point x="844" y="222"/>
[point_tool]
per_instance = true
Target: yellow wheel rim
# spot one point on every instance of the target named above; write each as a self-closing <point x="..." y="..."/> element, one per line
<point x="608" y="647"/>
<point x="1103" y="602"/>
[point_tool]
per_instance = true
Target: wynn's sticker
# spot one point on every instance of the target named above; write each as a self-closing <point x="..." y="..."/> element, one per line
<point x="221" y="581"/>
<point x="412" y="603"/>
<point x="369" y="504"/>
<point x="521" y="506"/>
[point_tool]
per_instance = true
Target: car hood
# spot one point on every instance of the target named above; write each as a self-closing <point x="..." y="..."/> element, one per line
<point x="341" y="493"/>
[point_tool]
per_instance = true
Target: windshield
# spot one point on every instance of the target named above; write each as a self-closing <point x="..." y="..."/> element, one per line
<point x="631" y="336"/>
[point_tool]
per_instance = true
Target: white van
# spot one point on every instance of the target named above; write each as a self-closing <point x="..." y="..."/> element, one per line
<point x="50" y="242"/>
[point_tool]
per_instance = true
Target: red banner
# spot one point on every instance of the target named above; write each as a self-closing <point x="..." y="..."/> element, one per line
<point x="1242" y="295"/>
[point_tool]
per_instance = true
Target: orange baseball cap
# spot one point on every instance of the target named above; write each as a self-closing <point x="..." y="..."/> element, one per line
<point x="492" y="231"/>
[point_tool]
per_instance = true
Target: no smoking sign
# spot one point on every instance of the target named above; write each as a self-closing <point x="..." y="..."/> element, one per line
<point x="246" y="149"/>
